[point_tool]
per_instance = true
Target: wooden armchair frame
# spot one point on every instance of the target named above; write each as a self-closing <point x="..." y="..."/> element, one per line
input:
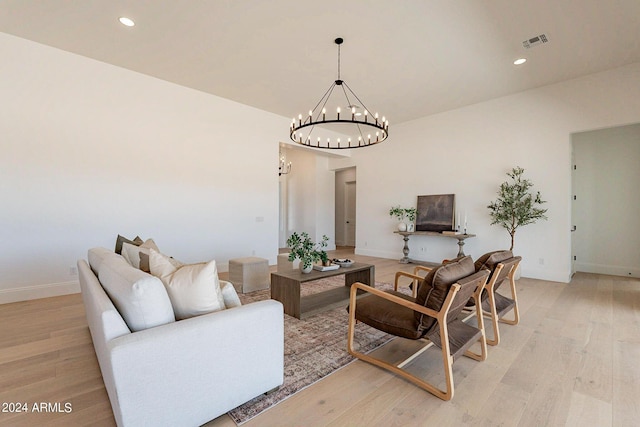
<point x="492" y="311"/>
<point x="441" y="316"/>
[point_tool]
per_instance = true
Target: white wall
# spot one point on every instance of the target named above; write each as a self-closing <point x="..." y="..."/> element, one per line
<point x="310" y="192"/>
<point x="468" y="151"/>
<point x="90" y="150"/>
<point x="607" y="207"/>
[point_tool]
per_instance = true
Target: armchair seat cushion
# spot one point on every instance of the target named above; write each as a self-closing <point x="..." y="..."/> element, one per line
<point x="388" y="316"/>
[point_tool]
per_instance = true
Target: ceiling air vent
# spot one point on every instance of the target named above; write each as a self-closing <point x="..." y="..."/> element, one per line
<point x="535" y="41"/>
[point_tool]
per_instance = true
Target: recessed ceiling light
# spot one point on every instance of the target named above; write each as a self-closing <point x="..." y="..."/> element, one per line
<point x="126" y="21"/>
<point x="519" y="61"/>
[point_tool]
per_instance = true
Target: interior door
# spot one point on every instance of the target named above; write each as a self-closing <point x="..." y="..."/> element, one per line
<point x="573" y="210"/>
<point x="350" y="213"/>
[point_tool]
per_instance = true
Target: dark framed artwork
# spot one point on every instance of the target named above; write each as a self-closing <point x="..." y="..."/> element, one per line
<point x="435" y="212"/>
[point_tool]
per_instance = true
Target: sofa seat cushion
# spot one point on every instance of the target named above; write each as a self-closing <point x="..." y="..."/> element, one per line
<point x="140" y="298"/>
<point x="194" y="289"/>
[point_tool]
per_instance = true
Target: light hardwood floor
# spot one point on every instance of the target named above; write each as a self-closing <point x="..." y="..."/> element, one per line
<point x="573" y="360"/>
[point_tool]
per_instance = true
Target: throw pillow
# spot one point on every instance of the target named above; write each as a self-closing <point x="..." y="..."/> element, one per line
<point x="193" y="289"/>
<point x="138" y="256"/>
<point x="229" y="294"/>
<point x="140" y="298"/>
<point x="161" y="265"/>
<point x="120" y="240"/>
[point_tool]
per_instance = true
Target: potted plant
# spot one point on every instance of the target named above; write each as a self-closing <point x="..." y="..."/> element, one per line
<point x="400" y="214"/>
<point x="411" y="216"/>
<point x="303" y="248"/>
<point x="516" y="206"/>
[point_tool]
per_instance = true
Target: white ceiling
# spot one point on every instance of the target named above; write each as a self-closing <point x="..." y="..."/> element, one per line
<point x="405" y="58"/>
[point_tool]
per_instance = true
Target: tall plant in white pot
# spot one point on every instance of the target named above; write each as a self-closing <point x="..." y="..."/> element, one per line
<point x="516" y="206"/>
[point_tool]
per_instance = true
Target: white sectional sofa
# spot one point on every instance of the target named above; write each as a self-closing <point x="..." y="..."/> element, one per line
<point x="178" y="373"/>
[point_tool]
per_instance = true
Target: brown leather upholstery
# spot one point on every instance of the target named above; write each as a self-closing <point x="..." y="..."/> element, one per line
<point x="502" y="265"/>
<point x="388" y="316"/>
<point x="503" y="303"/>
<point x="435" y="286"/>
<point x="461" y="335"/>
<point x="490" y="259"/>
<point x="402" y="321"/>
<point x="433" y="314"/>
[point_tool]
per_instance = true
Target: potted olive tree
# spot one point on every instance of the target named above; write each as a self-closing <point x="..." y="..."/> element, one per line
<point x="516" y="206"/>
<point x="303" y="248"/>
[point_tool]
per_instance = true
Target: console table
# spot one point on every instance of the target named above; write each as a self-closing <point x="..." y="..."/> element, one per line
<point x="405" y="234"/>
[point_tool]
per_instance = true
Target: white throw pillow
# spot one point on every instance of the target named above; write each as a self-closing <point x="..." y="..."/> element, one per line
<point x="140" y="298"/>
<point x="193" y="289"/>
<point x="229" y="294"/>
<point x="161" y="265"/>
<point x="133" y="254"/>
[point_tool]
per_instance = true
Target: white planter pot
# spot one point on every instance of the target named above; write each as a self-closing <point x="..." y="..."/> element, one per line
<point x="306" y="270"/>
<point x="402" y="226"/>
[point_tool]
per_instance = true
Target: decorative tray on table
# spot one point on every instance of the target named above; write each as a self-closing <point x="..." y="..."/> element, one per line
<point x="342" y="262"/>
<point x="325" y="267"/>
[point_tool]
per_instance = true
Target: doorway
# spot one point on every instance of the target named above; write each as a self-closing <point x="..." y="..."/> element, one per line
<point x="606" y="201"/>
<point x="350" y="213"/>
<point x="345" y="205"/>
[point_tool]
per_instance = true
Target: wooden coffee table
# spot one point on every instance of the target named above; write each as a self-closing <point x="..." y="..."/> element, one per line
<point x="285" y="287"/>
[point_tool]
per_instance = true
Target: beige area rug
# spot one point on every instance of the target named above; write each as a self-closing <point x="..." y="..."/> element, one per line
<point x="313" y="348"/>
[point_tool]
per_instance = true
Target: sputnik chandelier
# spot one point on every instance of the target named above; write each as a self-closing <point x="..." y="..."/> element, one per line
<point x="348" y="117"/>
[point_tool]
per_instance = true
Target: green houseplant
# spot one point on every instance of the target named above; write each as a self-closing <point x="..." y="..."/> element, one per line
<point x="516" y="206"/>
<point x="303" y="248"/>
<point x="401" y="213"/>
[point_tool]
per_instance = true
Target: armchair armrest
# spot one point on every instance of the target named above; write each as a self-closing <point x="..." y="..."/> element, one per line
<point x="439" y="315"/>
<point x="419" y="268"/>
<point x="416" y="280"/>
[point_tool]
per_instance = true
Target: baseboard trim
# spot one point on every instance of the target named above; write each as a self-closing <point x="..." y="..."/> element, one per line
<point x="38" y="291"/>
<point x="612" y="270"/>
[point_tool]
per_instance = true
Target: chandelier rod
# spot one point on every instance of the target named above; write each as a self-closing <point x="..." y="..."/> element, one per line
<point x="338" y="41"/>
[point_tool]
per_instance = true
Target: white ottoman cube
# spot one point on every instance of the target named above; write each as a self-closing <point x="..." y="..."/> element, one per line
<point x="285" y="265"/>
<point x="249" y="274"/>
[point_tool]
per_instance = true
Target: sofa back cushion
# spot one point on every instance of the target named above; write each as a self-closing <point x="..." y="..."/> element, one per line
<point x="141" y="299"/>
